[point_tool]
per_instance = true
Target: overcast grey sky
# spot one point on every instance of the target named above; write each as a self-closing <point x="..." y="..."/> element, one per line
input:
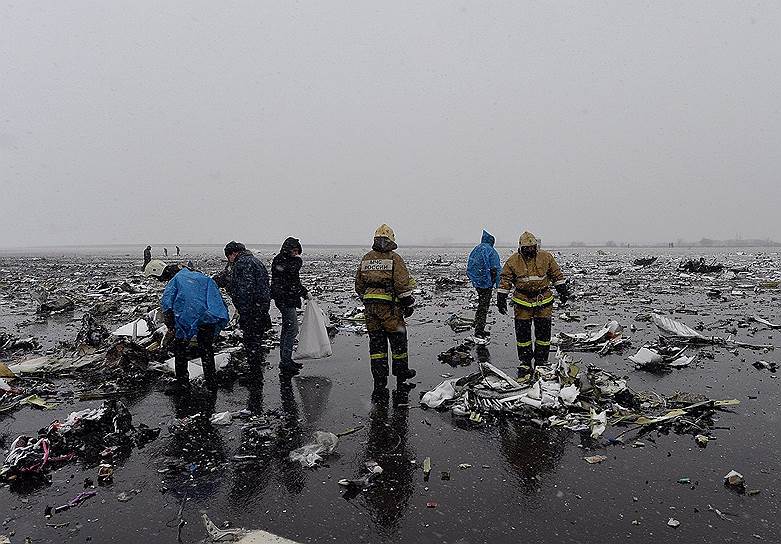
<point x="199" y="122"/>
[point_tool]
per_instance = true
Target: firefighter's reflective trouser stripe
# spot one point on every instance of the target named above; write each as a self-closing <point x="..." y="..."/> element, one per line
<point x="539" y="348"/>
<point x="523" y="340"/>
<point x="378" y="352"/>
<point x="542" y="331"/>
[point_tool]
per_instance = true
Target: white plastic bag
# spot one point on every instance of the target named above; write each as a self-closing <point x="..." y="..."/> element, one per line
<point x="313" y="342"/>
<point x="309" y="455"/>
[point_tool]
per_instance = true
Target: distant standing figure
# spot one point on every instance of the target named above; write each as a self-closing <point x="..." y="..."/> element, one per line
<point x="177" y="251"/>
<point x="192" y="306"/>
<point x="165" y="251"/>
<point x="483" y="269"/>
<point x="248" y="285"/>
<point x="147" y="255"/>
<point x="286" y="290"/>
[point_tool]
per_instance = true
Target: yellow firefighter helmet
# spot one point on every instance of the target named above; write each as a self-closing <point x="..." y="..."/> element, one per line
<point x="386" y="232"/>
<point x="527" y="240"/>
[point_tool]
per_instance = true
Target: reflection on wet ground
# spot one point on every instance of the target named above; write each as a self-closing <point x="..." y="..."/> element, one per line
<point x="505" y="481"/>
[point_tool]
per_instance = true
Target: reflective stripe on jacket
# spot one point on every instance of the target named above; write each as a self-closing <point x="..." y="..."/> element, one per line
<point x="531" y="279"/>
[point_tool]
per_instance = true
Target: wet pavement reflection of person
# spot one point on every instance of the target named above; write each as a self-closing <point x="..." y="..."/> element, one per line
<point x="195" y="445"/>
<point x="388" y="499"/>
<point x="531" y="452"/>
<point x="268" y="443"/>
<point x="194" y="400"/>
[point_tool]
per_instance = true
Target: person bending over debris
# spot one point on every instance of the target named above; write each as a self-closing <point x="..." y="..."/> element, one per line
<point x="286" y="290"/>
<point x="530" y="272"/>
<point x="246" y="281"/>
<point x="483" y="270"/>
<point x="192" y="306"/>
<point x="385" y="286"/>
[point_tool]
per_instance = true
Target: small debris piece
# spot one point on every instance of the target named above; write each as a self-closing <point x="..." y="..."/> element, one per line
<point x="672" y="522"/>
<point x="426" y="468"/>
<point x="594" y="459"/>
<point x="431" y="504"/>
<point x="735" y="480"/>
<point x="701" y="440"/>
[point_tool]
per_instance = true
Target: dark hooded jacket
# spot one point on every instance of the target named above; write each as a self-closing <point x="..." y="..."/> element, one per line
<point x="249" y="287"/>
<point x="286" y="288"/>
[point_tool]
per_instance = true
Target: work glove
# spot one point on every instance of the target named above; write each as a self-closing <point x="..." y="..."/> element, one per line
<point x="407" y="301"/>
<point x="563" y="291"/>
<point x="408" y="310"/>
<point x="501" y="303"/>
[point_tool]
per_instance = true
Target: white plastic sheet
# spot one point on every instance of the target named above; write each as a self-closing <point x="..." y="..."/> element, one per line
<point x="137" y="328"/>
<point x="313" y="341"/>
<point x="222" y="418"/>
<point x="676" y="328"/>
<point x="444" y="391"/>
<point x="195" y="366"/>
<point x="309" y="455"/>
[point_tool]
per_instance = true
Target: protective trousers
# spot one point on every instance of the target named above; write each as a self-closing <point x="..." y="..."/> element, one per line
<point x="385" y="325"/>
<point x="483" y="303"/>
<point x="537" y="350"/>
<point x="205" y="338"/>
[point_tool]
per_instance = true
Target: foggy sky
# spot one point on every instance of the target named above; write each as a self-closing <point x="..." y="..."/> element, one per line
<point x="201" y="122"/>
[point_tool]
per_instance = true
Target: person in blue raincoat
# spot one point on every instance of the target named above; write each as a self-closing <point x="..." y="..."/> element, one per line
<point x="192" y="306"/>
<point x="483" y="270"/>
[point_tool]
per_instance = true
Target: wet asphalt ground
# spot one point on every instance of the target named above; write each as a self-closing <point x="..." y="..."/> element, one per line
<point x="524" y="483"/>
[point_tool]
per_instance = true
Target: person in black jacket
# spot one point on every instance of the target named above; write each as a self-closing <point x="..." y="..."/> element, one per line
<point x="246" y="281"/>
<point x="147" y="255"/>
<point x="286" y="290"/>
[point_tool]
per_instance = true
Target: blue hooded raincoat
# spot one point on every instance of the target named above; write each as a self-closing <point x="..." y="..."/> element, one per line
<point x="195" y="300"/>
<point x="482" y="259"/>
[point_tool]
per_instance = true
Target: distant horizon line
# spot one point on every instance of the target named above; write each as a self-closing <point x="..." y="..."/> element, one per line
<point x="577" y="245"/>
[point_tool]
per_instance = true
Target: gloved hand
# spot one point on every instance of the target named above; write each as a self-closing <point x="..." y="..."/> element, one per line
<point x="408" y="310"/>
<point x="563" y="291"/>
<point x="407" y="301"/>
<point x="501" y="303"/>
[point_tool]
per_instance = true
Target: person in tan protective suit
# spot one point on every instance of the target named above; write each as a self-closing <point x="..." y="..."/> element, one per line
<point x="528" y="274"/>
<point x="385" y="286"/>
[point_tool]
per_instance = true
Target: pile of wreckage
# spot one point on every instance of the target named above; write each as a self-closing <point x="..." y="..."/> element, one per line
<point x="93" y="435"/>
<point x="676" y="338"/>
<point x="700" y="267"/>
<point x="562" y="395"/>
